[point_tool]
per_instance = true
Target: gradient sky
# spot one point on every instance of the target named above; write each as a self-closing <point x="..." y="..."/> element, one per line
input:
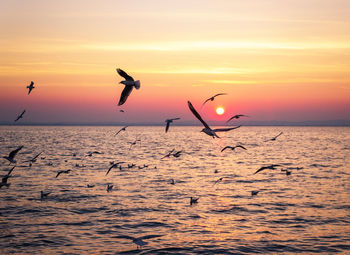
<point x="277" y="60"/>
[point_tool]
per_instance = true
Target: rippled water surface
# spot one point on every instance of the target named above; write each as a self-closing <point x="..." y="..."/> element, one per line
<point x="307" y="211"/>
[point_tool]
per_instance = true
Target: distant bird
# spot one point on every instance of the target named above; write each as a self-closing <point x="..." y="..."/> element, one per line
<point x="287" y="172"/>
<point x="94" y="152"/>
<point x="90" y="185"/>
<point x="213" y="97"/>
<point x="139" y="240"/>
<point x="4" y="179"/>
<point x="274" y="138"/>
<point x="129" y="85"/>
<point x="114" y="165"/>
<point x="33" y="160"/>
<point x="134" y="143"/>
<point x="193" y="200"/>
<point x="62" y="172"/>
<point x="255" y="192"/>
<point x="13" y="154"/>
<point x="216" y="171"/>
<point x="44" y="195"/>
<point x="177" y="154"/>
<point x="267" y="167"/>
<point x="20" y="116"/>
<point x="219" y="180"/>
<point x="207" y="130"/>
<point x="122" y="129"/>
<point x="236" y="117"/>
<point x="30" y="87"/>
<point x="168" y="121"/>
<point x="172" y="181"/>
<point x="109" y="188"/>
<point x="169" y="154"/>
<point x="233" y="147"/>
<point x="121" y="110"/>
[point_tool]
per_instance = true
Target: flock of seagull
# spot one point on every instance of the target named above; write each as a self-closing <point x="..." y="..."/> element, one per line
<point x="130" y="83"/>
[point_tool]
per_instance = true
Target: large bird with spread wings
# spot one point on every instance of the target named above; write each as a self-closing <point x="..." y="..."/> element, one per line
<point x="129" y="83"/>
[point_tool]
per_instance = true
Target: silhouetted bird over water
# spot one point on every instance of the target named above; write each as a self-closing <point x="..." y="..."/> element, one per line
<point x="129" y="85"/>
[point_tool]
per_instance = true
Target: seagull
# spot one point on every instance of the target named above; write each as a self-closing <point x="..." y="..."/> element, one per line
<point x="122" y="129"/>
<point x="139" y="240"/>
<point x="212" y="98"/>
<point x="274" y="138"/>
<point x="219" y="180"/>
<point x="177" y="154"/>
<point x="169" y="154"/>
<point x="267" y="167"/>
<point x="172" y="181"/>
<point x="237" y="117"/>
<point x="134" y="143"/>
<point x="13" y="154"/>
<point x="30" y="87"/>
<point x="193" y="200"/>
<point x="207" y="129"/>
<point x="168" y="121"/>
<point x="4" y="179"/>
<point x="94" y="152"/>
<point x="255" y="192"/>
<point x="109" y="187"/>
<point x="114" y="165"/>
<point x="129" y="85"/>
<point x="62" y="172"/>
<point x="90" y="185"/>
<point x="20" y="116"/>
<point x="44" y="195"/>
<point x="33" y="160"/>
<point x="233" y="147"/>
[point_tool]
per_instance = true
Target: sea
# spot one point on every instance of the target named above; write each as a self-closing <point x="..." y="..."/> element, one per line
<point x="304" y="212"/>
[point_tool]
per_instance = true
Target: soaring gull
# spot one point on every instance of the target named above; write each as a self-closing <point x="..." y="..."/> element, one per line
<point x="4" y="179"/>
<point x="129" y="85"/>
<point x="13" y="154"/>
<point x="62" y="172"/>
<point x="212" y="98"/>
<point x="168" y="121"/>
<point x="20" y="116"/>
<point x="112" y="166"/>
<point x="233" y="147"/>
<point x="30" y="87"/>
<point x="237" y="116"/>
<point x="274" y="138"/>
<point x="207" y="130"/>
<point x="273" y="166"/>
<point x="122" y="129"/>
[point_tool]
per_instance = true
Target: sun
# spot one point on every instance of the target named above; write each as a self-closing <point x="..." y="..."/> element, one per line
<point x="220" y="110"/>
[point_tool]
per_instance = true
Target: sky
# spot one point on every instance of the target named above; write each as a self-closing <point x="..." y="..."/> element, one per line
<point x="276" y="60"/>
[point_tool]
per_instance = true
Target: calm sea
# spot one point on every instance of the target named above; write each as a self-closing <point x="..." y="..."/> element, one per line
<point x="306" y="212"/>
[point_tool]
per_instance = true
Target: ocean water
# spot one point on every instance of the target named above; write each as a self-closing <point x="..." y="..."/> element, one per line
<point x="306" y="212"/>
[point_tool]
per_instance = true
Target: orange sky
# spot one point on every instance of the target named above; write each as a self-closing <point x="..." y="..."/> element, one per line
<point x="276" y="60"/>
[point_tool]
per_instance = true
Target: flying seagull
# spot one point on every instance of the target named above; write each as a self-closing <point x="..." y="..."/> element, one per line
<point x="169" y="154"/>
<point x="129" y="85"/>
<point x="20" y="116"/>
<point x="207" y="129"/>
<point x="13" y="154"/>
<point x="109" y="188"/>
<point x="274" y="138"/>
<point x="62" y="172"/>
<point x="94" y="152"/>
<point x="237" y="116"/>
<point x="122" y="129"/>
<point x="168" y="121"/>
<point x="139" y="240"/>
<point x="44" y="195"/>
<point x="255" y="192"/>
<point x="212" y="98"/>
<point x="193" y="200"/>
<point x="112" y="166"/>
<point x="219" y="180"/>
<point x="267" y="167"/>
<point x="4" y="179"/>
<point x="33" y="160"/>
<point x="233" y="147"/>
<point x="177" y="154"/>
<point x="30" y="87"/>
<point x="287" y="171"/>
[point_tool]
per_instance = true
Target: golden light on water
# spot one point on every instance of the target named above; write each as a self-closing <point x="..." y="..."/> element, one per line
<point x="220" y="110"/>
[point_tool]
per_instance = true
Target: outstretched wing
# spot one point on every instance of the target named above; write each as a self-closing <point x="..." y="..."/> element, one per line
<point x="14" y="152"/>
<point x="111" y="168"/>
<point x="195" y="113"/>
<point x="175" y="119"/>
<point x="260" y="169"/>
<point x="125" y="93"/>
<point x="206" y="101"/>
<point x="8" y="174"/>
<point x="227" y="147"/>
<point x="278" y="135"/>
<point x="124" y="75"/>
<point x="37" y="156"/>
<point x="167" y="126"/>
<point x="225" y="129"/>
<point x="241" y="146"/>
<point x="220" y="94"/>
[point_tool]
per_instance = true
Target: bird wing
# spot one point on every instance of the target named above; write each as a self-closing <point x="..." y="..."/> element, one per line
<point x="37" y="156"/>
<point x="225" y="129"/>
<point x="227" y="147"/>
<point x="175" y="119"/>
<point x="14" y="152"/>
<point x="30" y="89"/>
<point x="195" y="113"/>
<point x="278" y="135"/>
<point x="58" y="174"/>
<point x="111" y="168"/>
<point x="167" y="126"/>
<point x="11" y="171"/>
<point x="118" y="131"/>
<point x="124" y="75"/>
<point x="220" y="94"/>
<point x="260" y="169"/>
<point x="241" y="146"/>
<point x="206" y="101"/>
<point x="125" y="93"/>
<point x="233" y="117"/>
<point x="23" y="113"/>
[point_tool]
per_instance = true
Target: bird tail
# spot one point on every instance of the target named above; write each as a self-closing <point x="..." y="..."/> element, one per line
<point x="137" y="84"/>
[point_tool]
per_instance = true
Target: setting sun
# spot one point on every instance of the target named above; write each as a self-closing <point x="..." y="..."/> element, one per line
<point x="220" y="110"/>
